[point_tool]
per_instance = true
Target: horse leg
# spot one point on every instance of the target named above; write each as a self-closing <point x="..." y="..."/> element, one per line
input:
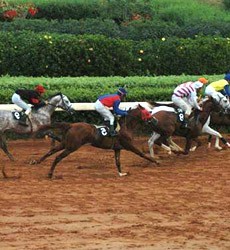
<point x="51" y="152"/>
<point x="208" y="130"/>
<point x="188" y="145"/>
<point x="209" y="141"/>
<point x="174" y="146"/>
<point x="4" y="147"/>
<point x="117" y="154"/>
<point x="198" y="144"/>
<point x="151" y="141"/>
<point x="129" y="146"/>
<point x="165" y="147"/>
<point x="211" y="131"/>
<point x="61" y="156"/>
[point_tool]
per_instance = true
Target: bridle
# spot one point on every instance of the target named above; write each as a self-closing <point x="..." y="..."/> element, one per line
<point x="64" y="107"/>
<point x="145" y="115"/>
<point x="219" y="103"/>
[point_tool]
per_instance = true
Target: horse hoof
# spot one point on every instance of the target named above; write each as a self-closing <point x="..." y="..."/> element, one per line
<point x="157" y="163"/>
<point x="33" y="162"/>
<point x="123" y="174"/>
<point x="50" y="176"/>
<point x="193" y="149"/>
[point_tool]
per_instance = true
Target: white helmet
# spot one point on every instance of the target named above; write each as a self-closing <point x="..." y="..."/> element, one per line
<point x="198" y="84"/>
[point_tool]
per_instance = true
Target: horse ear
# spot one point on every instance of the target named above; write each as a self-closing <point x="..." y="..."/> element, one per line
<point x="141" y="107"/>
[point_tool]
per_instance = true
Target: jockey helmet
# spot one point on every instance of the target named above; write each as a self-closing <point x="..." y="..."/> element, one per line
<point x="198" y="84"/>
<point x="227" y="77"/>
<point x="40" y="89"/>
<point x="203" y="80"/>
<point x="122" y="91"/>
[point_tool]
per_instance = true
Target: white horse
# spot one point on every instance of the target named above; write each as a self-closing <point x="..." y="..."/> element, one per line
<point x="37" y="118"/>
<point x="222" y="102"/>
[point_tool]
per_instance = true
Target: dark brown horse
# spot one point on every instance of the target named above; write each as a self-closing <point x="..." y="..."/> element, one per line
<point x="168" y="125"/>
<point x="77" y="134"/>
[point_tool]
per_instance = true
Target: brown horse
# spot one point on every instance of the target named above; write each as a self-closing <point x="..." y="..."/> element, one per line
<point x="169" y="125"/>
<point x="77" y="134"/>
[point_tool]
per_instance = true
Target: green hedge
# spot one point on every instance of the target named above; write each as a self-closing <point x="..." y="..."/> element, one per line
<point x="55" y="55"/>
<point x="136" y="30"/>
<point x="87" y="89"/>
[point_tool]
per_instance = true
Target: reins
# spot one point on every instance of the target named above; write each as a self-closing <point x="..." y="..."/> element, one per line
<point x="136" y="117"/>
<point x="66" y="108"/>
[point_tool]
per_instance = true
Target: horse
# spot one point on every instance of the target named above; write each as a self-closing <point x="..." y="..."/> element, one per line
<point x="38" y="117"/>
<point x="78" y="134"/>
<point x="168" y="124"/>
<point x="218" y="119"/>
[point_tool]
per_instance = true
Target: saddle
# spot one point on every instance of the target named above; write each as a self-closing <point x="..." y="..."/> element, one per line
<point x="180" y="115"/>
<point x="104" y="130"/>
<point x="21" y="117"/>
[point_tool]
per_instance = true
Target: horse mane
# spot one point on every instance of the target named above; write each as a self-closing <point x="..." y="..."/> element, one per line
<point x="59" y="93"/>
<point x="157" y="104"/>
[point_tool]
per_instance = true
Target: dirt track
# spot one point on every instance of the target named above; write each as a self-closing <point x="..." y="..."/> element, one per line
<point x="183" y="204"/>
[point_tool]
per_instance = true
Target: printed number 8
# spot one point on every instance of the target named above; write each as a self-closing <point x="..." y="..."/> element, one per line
<point x="181" y="117"/>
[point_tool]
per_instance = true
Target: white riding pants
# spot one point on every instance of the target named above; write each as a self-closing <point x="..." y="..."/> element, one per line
<point x="210" y="91"/>
<point x="16" y="99"/>
<point x="104" y="112"/>
<point x="182" y="103"/>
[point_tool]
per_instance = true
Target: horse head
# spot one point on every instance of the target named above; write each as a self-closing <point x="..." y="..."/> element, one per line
<point x="136" y="115"/>
<point x="140" y="113"/>
<point x="222" y="101"/>
<point x="61" y="101"/>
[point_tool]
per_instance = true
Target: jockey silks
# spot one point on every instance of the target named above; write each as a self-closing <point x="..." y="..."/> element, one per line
<point x="31" y="96"/>
<point x="112" y="101"/>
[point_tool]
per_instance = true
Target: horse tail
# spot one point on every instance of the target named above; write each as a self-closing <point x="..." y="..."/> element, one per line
<point x="62" y="126"/>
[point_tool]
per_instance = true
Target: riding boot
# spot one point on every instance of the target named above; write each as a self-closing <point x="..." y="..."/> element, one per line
<point x="196" y="116"/>
<point x="112" y="132"/>
<point x="22" y="120"/>
<point x="185" y="122"/>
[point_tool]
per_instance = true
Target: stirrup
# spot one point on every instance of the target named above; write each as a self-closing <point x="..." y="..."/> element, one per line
<point x="113" y="133"/>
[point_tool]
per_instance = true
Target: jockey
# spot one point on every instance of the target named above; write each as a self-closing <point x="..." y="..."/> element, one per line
<point x="185" y="97"/>
<point x="105" y="102"/>
<point x="219" y="88"/>
<point x="22" y="96"/>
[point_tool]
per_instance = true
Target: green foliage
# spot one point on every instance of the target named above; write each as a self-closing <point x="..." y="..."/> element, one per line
<point x="87" y="89"/>
<point x="31" y="54"/>
<point x="226" y="4"/>
<point x="136" y="30"/>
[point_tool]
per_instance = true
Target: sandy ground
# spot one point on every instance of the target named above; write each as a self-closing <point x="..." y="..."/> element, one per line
<point x="182" y="204"/>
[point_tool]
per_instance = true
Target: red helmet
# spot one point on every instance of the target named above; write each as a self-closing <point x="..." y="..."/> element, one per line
<point x="40" y="89"/>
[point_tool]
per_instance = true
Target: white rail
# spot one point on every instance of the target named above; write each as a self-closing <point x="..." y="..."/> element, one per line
<point x="82" y="106"/>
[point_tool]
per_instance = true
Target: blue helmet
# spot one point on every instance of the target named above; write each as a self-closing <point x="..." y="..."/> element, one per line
<point x="227" y="77"/>
<point x="122" y="91"/>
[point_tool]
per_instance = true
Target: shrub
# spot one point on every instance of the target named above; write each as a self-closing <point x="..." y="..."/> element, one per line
<point x="42" y="54"/>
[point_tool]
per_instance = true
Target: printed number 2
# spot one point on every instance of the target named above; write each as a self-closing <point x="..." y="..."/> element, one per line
<point x="103" y="131"/>
<point x="17" y="115"/>
<point x="181" y="117"/>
